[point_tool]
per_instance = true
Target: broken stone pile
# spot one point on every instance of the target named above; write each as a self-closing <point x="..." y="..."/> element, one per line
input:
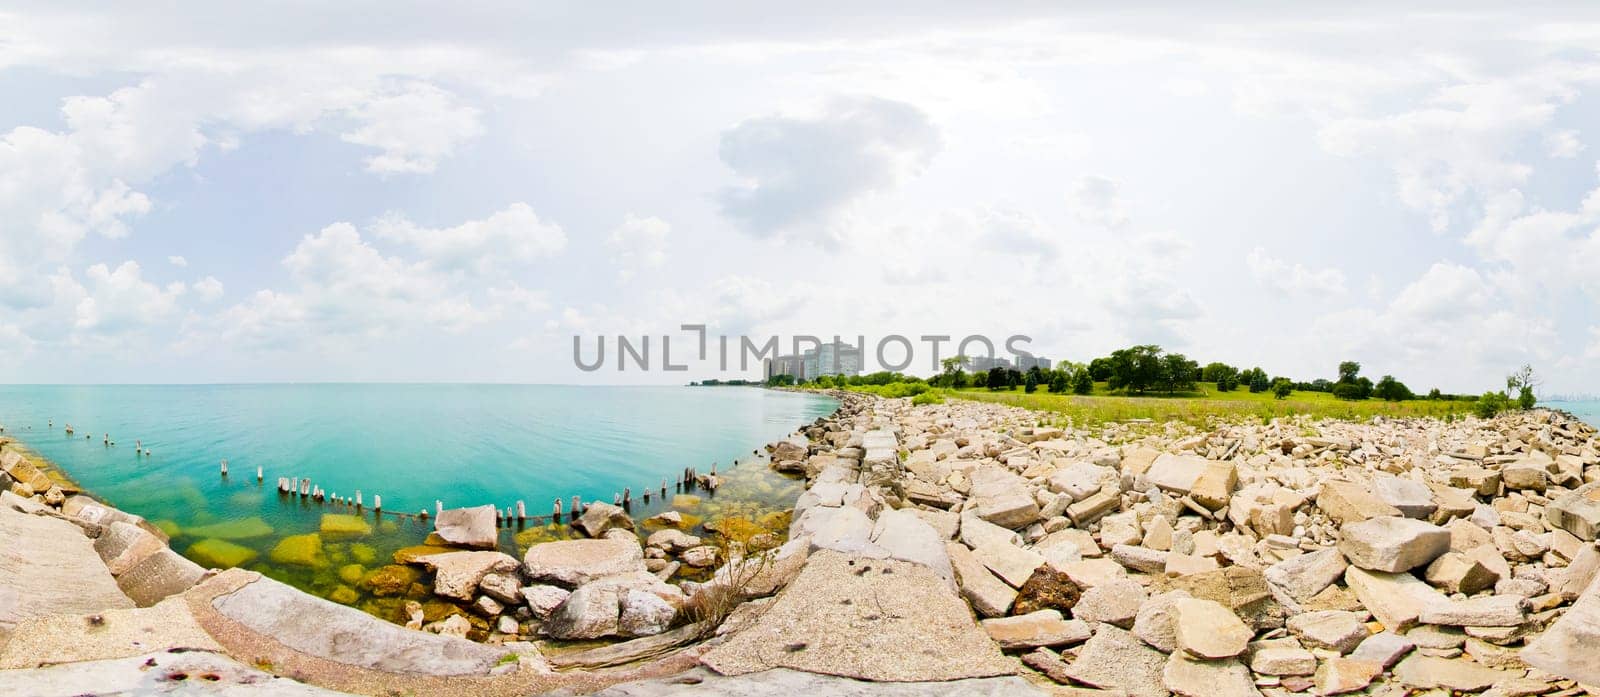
<point x="1295" y="557"/>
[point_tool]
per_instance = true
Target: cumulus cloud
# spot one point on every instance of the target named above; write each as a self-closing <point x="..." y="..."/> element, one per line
<point x="798" y="171"/>
<point x="638" y="243"/>
<point x="208" y="288"/>
<point x="1284" y="277"/>
<point x="412" y="126"/>
<point x="178" y="261"/>
<point x="505" y="239"/>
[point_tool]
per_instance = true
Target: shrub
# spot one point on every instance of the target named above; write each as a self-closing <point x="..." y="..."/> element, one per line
<point x="927" y="398"/>
<point x="1491" y="403"/>
<point x="1347" y="390"/>
<point x="1282" y="388"/>
<point x="1030" y="384"/>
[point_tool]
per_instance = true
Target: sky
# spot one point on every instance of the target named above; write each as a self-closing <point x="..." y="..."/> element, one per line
<point x="206" y="192"/>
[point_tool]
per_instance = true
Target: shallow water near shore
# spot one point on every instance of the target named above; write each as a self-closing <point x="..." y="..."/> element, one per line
<point x="466" y="445"/>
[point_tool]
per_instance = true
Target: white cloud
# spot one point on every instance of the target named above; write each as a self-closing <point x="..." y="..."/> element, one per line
<point x="115" y="301"/>
<point x="178" y="261"/>
<point x="1095" y="200"/>
<point x="638" y="243"/>
<point x="413" y="126"/>
<point x="1284" y="277"/>
<point x="1563" y="144"/>
<point x="799" y="171"/>
<point x="208" y="289"/>
<point x="506" y="239"/>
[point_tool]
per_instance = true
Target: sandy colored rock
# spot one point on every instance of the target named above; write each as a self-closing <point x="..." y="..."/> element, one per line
<point x="1337" y="676"/>
<point x="1192" y="677"/>
<point x="1330" y="629"/>
<point x="1035" y="629"/>
<point x="468" y="527"/>
<point x="916" y="629"/>
<point x="576" y="562"/>
<point x="1208" y="630"/>
<point x="1422" y="671"/>
<point x="1392" y="544"/>
<point x="1114" y="659"/>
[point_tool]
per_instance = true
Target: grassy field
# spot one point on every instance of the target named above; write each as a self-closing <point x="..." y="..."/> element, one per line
<point x="1204" y="405"/>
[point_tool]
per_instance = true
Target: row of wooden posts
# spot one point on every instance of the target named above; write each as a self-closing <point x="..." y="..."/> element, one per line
<point x="307" y="490"/>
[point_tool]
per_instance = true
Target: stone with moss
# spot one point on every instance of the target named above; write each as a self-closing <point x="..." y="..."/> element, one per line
<point x="414" y="553"/>
<point x="220" y="554"/>
<point x="344" y="595"/>
<point x="363" y="553"/>
<point x="299" y="550"/>
<point x="735" y="528"/>
<point x="242" y="529"/>
<point x="685" y="501"/>
<point x="352" y="573"/>
<point x="170" y="528"/>
<point x="390" y="580"/>
<point x="345" y="524"/>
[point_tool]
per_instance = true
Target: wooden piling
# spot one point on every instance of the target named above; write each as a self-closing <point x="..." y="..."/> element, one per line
<point x="555" y="511"/>
<point x="377" y="504"/>
<point x="627" y="495"/>
<point x="522" y="511"/>
<point x="224" y="467"/>
<point x="438" y="507"/>
<point x="577" y="506"/>
<point x="358" y="499"/>
<point x="260" y="475"/>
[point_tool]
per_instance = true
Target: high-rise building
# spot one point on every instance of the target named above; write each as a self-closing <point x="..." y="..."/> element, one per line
<point x="835" y="358"/>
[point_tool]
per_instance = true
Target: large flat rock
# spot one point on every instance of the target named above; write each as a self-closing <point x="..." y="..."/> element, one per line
<point x="349" y="636"/>
<point x="48" y="566"/>
<point x="1567" y="648"/>
<point x="702" y="683"/>
<point x="39" y="641"/>
<point x="869" y="619"/>
<point x="156" y="673"/>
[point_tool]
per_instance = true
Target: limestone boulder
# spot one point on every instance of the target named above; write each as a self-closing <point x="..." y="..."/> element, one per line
<point x="456" y="575"/>
<point x="600" y="517"/>
<point x="1392" y="544"/>
<point x="576" y="562"/>
<point x="468" y="527"/>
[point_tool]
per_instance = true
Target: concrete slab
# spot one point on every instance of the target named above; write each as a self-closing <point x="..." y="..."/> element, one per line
<point x="41" y="641"/>
<point x="704" y="683"/>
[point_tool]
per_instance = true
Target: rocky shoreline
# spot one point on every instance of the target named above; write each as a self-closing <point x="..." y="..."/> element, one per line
<point x="964" y="547"/>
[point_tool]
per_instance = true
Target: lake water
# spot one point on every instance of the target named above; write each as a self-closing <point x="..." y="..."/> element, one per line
<point x="466" y="445"/>
<point x="1588" y="410"/>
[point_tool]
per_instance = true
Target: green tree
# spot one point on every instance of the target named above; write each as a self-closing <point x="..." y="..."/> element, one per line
<point x="1225" y="376"/>
<point x="1030" y="383"/>
<point x="1083" y="383"/>
<point x="1059" y="382"/>
<point x="997" y="378"/>
<point x="1136" y="369"/>
<point x="1522" y="382"/>
<point x="1392" y="390"/>
<point x="1178" y="372"/>
<point x="1256" y="380"/>
<point x="1100" y="369"/>
<point x="1282" y="388"/>
<point x="1348" y="370"/>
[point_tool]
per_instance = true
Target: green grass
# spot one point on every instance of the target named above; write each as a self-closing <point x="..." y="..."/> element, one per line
<point x="1206" y="404"/>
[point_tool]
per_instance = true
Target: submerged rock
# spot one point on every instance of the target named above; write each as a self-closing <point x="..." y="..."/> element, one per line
<point x="344" y="524"/>
<point x="300" y="550"/>
<point x="243" y="529"/>
<point x="220" y="554"/>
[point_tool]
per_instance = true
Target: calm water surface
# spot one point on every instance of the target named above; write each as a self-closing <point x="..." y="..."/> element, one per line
<point x="467" y="445"/>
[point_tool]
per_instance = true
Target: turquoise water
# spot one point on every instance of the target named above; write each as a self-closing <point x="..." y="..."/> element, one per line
<point x="466" y="445"/>
<point x="1588" y="410"/>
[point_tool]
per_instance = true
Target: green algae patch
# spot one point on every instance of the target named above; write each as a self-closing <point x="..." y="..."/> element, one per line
<point x="344" y="524"/>
<point x="243" y="529"/>
<point x="220" y="554"/>
<point x="300" y="550"/>
<point x="685" y="501"/>
<point x="363" y="553"/>
<point x="352" y="573"/>
<point x="736" y="529"/>
<point x="168" y="527"/>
